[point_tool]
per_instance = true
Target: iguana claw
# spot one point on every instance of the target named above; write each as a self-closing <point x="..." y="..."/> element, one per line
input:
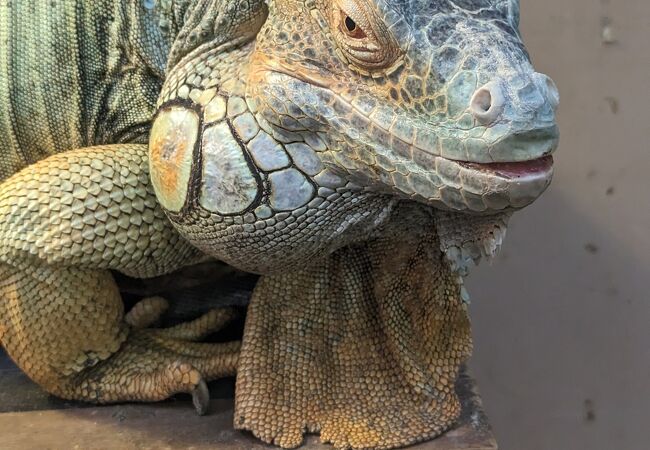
<point x="201" y="398"/>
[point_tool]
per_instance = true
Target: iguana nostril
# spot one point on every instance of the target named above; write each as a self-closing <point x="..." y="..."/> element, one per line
<point x="487" y="103"/>
<point x="482" y="101"/>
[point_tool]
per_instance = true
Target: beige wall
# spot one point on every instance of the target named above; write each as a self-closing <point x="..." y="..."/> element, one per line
<point x="562" y="318"/>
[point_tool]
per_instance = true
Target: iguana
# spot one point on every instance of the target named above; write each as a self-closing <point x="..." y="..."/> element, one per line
<point x="360" y="155"/>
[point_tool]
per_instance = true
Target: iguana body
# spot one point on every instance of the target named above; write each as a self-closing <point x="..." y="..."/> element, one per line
<point x="75" y="75"/>
<point x="326" y="145"/>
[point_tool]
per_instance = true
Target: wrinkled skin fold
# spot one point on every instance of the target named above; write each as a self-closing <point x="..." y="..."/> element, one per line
<point x="360" y="155"/>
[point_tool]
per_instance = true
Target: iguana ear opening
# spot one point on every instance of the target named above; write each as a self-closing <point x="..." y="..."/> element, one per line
<point x="217" y="22"/>
<point x="466" y="239"/>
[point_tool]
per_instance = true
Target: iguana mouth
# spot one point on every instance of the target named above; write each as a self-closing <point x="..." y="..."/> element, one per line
<point x="514" y="170"/>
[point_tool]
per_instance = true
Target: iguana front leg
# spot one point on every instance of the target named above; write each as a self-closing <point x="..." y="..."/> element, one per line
<point x="64" y="222"/>
<point x="363" y="345"/>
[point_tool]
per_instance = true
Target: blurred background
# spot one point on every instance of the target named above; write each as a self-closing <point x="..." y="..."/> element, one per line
<point x="562" y="318"/>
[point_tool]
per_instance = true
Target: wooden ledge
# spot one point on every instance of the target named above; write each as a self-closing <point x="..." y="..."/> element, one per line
<point x="30" y="419"/>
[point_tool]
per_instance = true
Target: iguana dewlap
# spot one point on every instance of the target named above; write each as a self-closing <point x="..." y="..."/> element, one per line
<point x="359" y="154"/>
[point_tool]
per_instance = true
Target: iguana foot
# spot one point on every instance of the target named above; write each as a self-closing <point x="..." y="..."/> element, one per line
<point x="154" y="364"/>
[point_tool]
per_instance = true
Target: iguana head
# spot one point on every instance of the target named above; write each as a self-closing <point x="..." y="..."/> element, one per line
<point x="434" y="100"/>
<point x="301" y="106"/>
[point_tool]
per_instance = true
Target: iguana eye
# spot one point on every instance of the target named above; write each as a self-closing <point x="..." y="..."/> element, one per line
<point x="350" y="27"/>
<point x="362" y="37"/>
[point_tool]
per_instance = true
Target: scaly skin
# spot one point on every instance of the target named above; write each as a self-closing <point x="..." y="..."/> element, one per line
<point x="75" y="74"/>
<point x="360" y="155"/>
<point x="340" y="148"/>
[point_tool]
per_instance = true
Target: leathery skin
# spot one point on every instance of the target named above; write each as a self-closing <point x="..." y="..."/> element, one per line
<point x="361" y="155"/>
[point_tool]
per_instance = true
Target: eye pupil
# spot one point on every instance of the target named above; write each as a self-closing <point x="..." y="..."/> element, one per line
<point x="350" y="24"/>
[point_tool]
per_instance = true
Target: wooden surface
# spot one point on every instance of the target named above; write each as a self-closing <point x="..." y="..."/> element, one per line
<point x="30" y="419"/>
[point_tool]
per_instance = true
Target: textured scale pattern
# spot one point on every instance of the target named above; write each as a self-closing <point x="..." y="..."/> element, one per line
<point x="304" y="170"/>
<point x="62" y="78"/>
<point x="66" y="221"/>
<point x="360" y="155"/>
<point x="91" y="207"/>
<point x="365" y="345"/>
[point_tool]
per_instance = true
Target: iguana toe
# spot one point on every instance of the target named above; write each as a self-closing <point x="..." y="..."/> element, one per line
<point x="146" y="312"/>
<point x="209" y="323"/>
<point x="152" y="366"/>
